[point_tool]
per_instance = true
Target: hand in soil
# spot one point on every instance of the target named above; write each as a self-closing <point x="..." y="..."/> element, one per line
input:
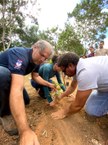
<point x="52" y="104"/>
<point x="28" y="138"/>
<point x="60" y="114"/>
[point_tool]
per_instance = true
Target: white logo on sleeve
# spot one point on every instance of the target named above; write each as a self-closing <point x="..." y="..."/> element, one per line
<point x="18" y="64"/>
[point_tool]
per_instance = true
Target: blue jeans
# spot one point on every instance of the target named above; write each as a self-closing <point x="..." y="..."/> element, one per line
<point x="40" y="87"/>
<point x="5" y="82"/>
<point x="97" y="104"/>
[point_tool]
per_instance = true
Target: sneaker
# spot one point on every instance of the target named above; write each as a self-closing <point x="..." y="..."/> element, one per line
<point x="9" y="125"/>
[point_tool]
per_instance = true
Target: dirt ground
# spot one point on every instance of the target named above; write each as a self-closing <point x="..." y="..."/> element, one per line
<point x="78" y="129"/>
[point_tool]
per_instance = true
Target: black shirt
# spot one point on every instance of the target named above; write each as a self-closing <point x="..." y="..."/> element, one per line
<point x="18" y="60"/>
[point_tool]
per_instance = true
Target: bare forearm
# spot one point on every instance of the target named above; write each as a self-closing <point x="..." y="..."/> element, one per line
<point x="68" y="91"/>
<point x="18" y="112"/>
<point x="41" y="81"/>
<point x="72" y="109"/>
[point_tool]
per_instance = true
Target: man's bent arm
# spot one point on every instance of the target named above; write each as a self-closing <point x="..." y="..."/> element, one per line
<point x="27" y="136"/>
<point x="78" y="103"/>
<point x="70" y="89"/>
<point x="17" y="102"/>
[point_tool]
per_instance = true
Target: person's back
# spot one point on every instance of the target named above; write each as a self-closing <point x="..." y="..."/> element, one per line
<point x="92" y="73"/>
<point x="46" y="71"/>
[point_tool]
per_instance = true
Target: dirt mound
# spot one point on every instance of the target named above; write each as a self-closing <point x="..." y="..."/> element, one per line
<point x="78" y="129"/>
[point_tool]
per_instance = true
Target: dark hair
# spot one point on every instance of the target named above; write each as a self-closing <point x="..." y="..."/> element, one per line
<point x="54" y="59"/>
<point x="68" y="58"/>
<point x="91" y="47"/>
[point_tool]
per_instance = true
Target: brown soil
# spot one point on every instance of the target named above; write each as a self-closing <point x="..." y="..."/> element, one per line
<point x="78" y="129"/>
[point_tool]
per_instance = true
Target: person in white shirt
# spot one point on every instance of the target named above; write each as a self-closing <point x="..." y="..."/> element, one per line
<point x="90" y="79"/>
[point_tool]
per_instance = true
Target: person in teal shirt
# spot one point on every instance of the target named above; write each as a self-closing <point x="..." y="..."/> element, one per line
<point x="47" y="71"/>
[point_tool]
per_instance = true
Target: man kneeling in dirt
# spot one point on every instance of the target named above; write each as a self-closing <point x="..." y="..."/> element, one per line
<point x="15" y="63"/>
<point x="91" y="80"/>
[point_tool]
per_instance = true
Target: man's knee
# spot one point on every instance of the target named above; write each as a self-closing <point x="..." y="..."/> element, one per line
<point x="35" y="84"/>
<point x="92" y="111"/>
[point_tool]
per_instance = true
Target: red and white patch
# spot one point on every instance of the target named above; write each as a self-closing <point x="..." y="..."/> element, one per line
<point x="18" y="64"/>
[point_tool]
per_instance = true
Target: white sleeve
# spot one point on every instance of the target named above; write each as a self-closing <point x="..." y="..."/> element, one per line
<point x="87" y="79"/>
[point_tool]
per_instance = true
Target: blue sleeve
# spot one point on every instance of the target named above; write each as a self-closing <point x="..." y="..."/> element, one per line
<point x="17" y="62"/>
<point x="62" y="87"/>
<point x="60" y="81"/>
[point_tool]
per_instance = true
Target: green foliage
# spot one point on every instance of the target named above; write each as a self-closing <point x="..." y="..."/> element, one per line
<point x="28" y="36"/>
<point x="68" y="41"/>
<point x="12" y="22"/>
<point x="11" y="18"/>
<point x="50" y="35"/>
<point x="91" y="19"/>
<point x="55" y="94"/>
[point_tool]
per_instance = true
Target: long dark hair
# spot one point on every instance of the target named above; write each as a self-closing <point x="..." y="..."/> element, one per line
<point x="54" y="59"/>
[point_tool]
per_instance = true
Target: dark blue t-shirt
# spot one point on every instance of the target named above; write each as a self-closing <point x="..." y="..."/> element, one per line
<point x="18" y="60"/>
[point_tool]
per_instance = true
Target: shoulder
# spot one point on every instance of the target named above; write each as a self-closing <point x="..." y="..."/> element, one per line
<point x="46" y="66"/>
<point x="20" y="50"/>
<point x="20" y="53"/>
